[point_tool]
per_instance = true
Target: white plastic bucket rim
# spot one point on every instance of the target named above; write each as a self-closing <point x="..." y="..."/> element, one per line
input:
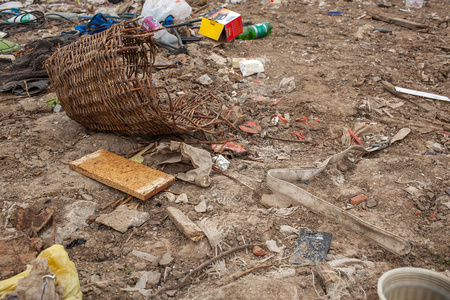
<point x="425" y="275"/>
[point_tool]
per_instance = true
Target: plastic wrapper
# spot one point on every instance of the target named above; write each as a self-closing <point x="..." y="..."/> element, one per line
<point x="60" y="265"/>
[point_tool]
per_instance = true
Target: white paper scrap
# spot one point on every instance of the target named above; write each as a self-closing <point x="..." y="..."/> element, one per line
<point x="421" y="94"/>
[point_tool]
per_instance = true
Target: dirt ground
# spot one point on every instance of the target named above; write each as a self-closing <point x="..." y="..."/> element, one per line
<point x="337" y="87"/>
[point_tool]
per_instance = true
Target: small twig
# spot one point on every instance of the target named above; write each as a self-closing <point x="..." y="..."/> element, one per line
<point x="172" y="192"/>
<point x="255" y="268"/>
<point x="182" y="282"/>
<point x="288" y="140"/>
<point x="26" y="88"/>
<point x="235" y="179"/>
<point x="114" y="202"/>
<point x="128" y="199"/>
<point x="53" y="229"/>
<point x="213" y="142"/>
<point x="253" y="159"/>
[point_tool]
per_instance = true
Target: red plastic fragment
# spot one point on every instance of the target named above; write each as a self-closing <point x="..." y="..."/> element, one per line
<point x="276" y="102"/>
<point x="300" y="135"/>
<point x="354" y="136"/>
<point x="230" y="146"/>
<point x="250" y="127"/>
<point x="281" y="117"/>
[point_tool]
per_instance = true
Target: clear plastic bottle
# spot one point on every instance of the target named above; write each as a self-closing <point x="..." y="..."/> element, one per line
<point x="256" y="31"/>
<point x="21" y="18"/>
<point x="163" y="35"/>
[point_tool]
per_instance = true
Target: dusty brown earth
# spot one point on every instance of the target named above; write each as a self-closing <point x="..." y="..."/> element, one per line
<point x="336" y="87"/>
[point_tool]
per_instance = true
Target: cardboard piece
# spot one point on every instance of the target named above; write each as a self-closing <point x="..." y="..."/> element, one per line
<point x="123" y="174"/>
<point x="221" y="24"/>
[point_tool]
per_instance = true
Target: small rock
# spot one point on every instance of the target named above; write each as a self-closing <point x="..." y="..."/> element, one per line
<point x="250" y="67"/>
<point x="44" y="155"/>
<point x="183" y="198"/>
<point x="432" y="216"/>
<point x="371" y="203"/>
<point x="148" y="257"/>
<point x="58" y="108"/>
<point x="272" y="245"/>
<point x="358" y="199"/>
<point x="287" y="85"/>
<point x="258" y="251"/>
<point x="166" y="196"/>
<point x="171" y="293"/>
<point x="140" y="266"/>
<point x="166" y="259"/>
<point x="153" y="277"/>
<point x="201" y="207"/>
<point x="205" y="80"/>
<point x="286" y="229"/>
<point x="217" y="59"/>
<point x="123" y="218"/>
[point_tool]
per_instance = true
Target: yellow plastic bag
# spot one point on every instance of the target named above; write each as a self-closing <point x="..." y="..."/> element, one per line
<point x="61" y="265"/>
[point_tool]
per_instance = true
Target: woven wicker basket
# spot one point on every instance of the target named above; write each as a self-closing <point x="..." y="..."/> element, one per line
<point x="104" y="82"/>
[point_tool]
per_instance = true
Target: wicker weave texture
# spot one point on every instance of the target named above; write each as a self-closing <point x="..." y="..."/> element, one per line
<point x="104" y="82"/>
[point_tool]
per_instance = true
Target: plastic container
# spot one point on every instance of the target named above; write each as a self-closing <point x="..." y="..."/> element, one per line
<point x="161" y="9"/>
<point x="413" y="284"/>
<point x="414" y="3"/>
<point x="21" y="18"/>
<point x="163" y="35"/>
<point x="256" y="31"/>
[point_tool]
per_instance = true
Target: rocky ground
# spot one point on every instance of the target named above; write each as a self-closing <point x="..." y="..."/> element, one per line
<point x="330" y="80"/>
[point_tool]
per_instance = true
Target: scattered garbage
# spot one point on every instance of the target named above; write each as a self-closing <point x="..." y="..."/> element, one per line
<point x="162" y="35"/>
<point x="51" y="273"/>
<point x="138" y="180"/>
<point x="311" y="248"/>
<point x="256" y="31"/>
<point x="221" y="24"/>
<point x="221" y="162"/>
<point x="232" y="148"/>
<point x="272" y="246"/>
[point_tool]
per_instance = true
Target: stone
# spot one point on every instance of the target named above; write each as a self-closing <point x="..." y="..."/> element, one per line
<point x="166" y="260"/>
<point x="195" y="251"/>
<point x="205" y="80"/>
<point x="258" y="251"/>
<point x="272" y="245"/>
<point x="153" y="277"/>
<point x="358" y="199"/>
<point x="287" y="85"/>
<point x="183" y="198"/>
<point x="220" y="60"/>
<point x="201" y="207"/>
<point x="123" y="218"/>
<point x="286" y="229"/>
<point x="371" y="203"/>
<point x="146" y="256"/>
<point x="185" y="225"/>
<point x="44" y="155"/>
<point x="140" y="266"/>
<point x="30" y="105"/>
<point x="166" y="196"/>
<point x="250" y="67"/>
<point x="277" y="201"/>
<point x="171" y="293"/>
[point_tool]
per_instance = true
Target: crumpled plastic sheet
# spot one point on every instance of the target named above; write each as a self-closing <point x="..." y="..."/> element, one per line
<point x="175" y="152"/>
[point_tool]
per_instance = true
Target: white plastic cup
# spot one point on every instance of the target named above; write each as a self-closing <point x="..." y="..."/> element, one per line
<point x="413" y="284"/>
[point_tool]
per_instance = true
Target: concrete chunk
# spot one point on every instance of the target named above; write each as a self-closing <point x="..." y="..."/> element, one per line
<point x="185" y="225"/>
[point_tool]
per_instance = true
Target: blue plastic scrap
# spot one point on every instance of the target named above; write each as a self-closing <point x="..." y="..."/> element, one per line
<point x="97" y="24"/>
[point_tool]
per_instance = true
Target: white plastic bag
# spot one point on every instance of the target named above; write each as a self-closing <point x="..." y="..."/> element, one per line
<point x="161" y="9"/>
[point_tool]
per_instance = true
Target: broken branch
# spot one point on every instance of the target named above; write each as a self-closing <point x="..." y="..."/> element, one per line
<point x="255" y="268"/>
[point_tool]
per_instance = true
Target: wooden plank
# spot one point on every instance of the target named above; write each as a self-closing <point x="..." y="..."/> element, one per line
<point x="123" y="174"/>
